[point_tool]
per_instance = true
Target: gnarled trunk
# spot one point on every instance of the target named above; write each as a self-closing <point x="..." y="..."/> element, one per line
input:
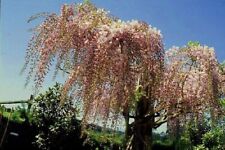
<point x="142" y="135"/>
<point x="143" y="125"/>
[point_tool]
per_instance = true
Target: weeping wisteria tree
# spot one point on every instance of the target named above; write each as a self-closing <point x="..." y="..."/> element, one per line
<point x="117" y="68"/>
<point x="114" y="66"/>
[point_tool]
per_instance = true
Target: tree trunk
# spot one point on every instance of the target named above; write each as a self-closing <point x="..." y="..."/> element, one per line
<point x="143" y="126"/>
<point x="142" y="135"/>
<point x="127" y="128"/>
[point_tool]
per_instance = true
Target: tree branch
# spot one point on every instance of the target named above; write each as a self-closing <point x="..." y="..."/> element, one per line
<point x="60" y="68"/>
<point x="165" y="119"/>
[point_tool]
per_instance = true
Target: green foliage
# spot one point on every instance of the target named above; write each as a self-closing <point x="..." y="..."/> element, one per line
<point x="138" y="93"/>
<point x="184" y="142"/>
<point x="222" y="67"/>
<point x="191" y="137"/>
<point x="167" y="143"/>
<point x="52" y="118"/>
<point x="162" y="141"/>
<point x="193" y="43"/>
<point x="16" y="116"/>
<point x="105" y="137"/>
<point x="222" y="102"/>
<point x="87" y="2"/>
<point x="223" y="64"/>
<point x="200" y="147"/>
<point x="214" y="139"/>
<point x="19" y="114"/>
<point x="200" y="136"/>
<point x="196" y="131"/>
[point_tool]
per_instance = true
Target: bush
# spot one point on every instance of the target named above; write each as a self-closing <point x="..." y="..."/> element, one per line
<point x="200" y="147"/>
<point x="54" y="120"/>
<point x="191" y="137"/>
<point x="214" y="139"/>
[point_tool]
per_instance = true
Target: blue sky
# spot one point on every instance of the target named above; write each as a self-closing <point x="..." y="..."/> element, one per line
<point x="179" y="21"/>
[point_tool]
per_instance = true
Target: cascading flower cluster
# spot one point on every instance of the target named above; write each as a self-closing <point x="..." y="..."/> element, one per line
<point x="191" y="80"/>
<point x="103" y="55"/>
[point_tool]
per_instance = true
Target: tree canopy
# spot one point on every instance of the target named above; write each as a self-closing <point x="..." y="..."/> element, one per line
<point x="105" y="57"/>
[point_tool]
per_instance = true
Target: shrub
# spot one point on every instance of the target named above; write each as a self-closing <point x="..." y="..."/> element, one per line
<point x="54" y="120"/>
<point x="214" y="139"/>
<point x="200" y="147"/>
